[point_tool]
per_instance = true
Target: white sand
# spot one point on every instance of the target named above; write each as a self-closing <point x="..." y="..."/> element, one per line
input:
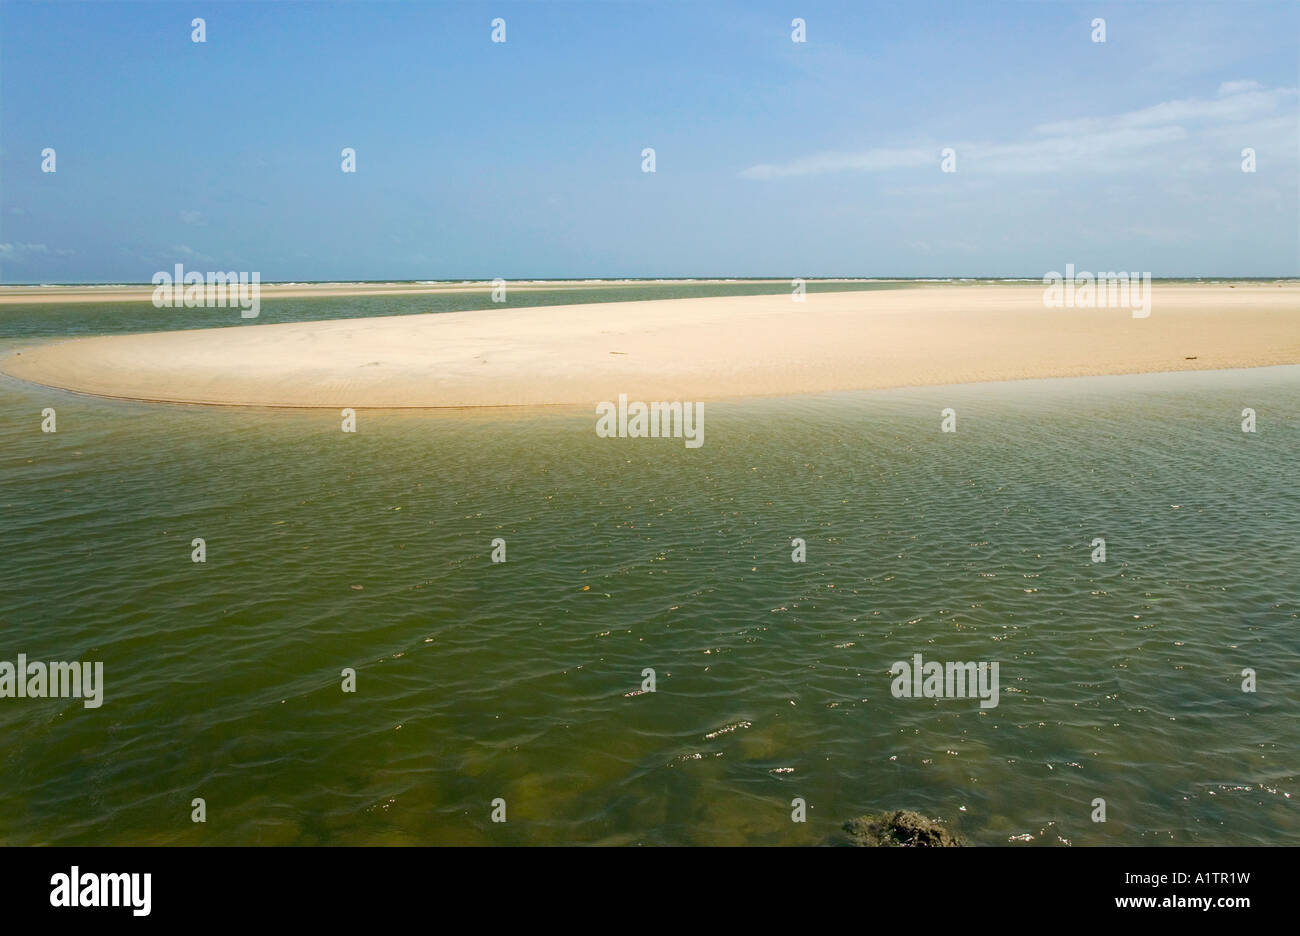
<point x="679" y="349"/>
<point x="36" y="295"/>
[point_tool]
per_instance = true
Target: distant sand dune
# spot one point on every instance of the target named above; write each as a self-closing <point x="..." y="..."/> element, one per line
<point x="679" y="349"/>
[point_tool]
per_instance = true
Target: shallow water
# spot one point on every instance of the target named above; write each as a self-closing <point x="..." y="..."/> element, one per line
<point x="477" y="680"/>
<point x="79" y="319"/>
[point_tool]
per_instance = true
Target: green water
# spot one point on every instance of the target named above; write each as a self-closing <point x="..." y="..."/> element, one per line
<point x="476" y="680"/>
<point x="73" y="319"/>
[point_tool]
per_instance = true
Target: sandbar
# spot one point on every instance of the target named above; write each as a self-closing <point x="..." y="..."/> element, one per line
<point x="678" y="349"/>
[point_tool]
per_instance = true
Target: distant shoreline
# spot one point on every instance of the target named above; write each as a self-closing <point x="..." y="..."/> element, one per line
<point x="143" y="292"/>
<point x="29" y="293"/>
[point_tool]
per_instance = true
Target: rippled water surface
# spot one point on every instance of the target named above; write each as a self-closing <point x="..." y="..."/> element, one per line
<point x="476" y="680"/>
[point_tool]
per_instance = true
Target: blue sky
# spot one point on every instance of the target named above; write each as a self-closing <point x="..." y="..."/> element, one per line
<point x="523" y="159"/>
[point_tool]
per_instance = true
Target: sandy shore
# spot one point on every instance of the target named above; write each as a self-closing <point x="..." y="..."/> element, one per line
<point x="679" y="349"/>
<point x="35" y="295"/>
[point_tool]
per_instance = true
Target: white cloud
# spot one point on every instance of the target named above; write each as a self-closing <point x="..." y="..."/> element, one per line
<point x="1093" y="144"/>
<point x="1236" y="87"/>
<point x="17" y="253"/>
<point x="189" y="253"/>
<point x="1240" y="104"/>
<point x="873" y="160"/>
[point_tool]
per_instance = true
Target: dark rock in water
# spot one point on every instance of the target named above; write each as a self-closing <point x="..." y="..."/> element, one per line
<point x="903" y="828"/>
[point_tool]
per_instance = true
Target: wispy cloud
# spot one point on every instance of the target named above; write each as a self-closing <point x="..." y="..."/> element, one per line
<point x="1236" y="101"/>
<point x="872" y="160"/>
<point x="1095" y="144"/>
<point x="189" y="253"/>
<point x="17" y="253"/>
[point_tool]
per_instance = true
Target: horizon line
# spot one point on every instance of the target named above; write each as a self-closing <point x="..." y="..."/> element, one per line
<point x="657" y="279"/>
